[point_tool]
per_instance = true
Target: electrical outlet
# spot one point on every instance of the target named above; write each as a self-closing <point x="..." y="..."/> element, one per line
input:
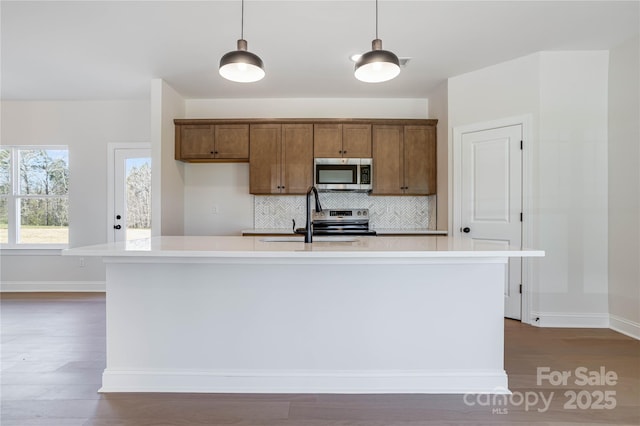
<point x="215" y="209"/>
<point x="81" y="262"/>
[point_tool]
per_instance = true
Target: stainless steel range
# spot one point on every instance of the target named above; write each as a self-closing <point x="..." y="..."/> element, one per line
<point x="342" y="222"/>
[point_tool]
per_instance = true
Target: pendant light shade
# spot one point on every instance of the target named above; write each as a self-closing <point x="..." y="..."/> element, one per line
<point x="377" y="65"/>
<point x="241" y="65"/>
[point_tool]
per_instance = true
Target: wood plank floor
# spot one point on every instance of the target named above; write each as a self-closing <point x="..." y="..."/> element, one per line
<point x="53" y="354"/>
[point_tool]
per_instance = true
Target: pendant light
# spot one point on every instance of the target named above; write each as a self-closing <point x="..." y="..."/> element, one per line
<point x="377" y="65"/>
<point x="241" y="65"/>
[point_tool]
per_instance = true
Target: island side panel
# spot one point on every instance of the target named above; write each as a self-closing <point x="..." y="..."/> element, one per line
<point x="199" y="327"/>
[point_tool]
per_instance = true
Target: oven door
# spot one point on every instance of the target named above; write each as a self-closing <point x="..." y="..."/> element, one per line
<point x="360" y="227"/>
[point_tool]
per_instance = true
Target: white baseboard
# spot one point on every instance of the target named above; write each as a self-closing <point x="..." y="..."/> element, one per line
<point x="569" y="320"/>
<point x="624" y="326"/>
<point x="286" y="381"/>
<point x="52" y="286"/>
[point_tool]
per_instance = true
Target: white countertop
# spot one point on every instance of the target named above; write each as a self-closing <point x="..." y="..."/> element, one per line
<point x="404" y="247"/>
<point x="380" y="231"/>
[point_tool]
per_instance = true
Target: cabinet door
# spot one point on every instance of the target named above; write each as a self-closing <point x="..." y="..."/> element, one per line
<point x="388" y="160"/>
<point x="197" y="141"/>
<point x="327" y="140"/>
<point x="419" y="160"/>
<point x="232" y="141"/>
<point x="297" y="158"/>
<point x="264" y="158"/>
<point x="356" y="140"/>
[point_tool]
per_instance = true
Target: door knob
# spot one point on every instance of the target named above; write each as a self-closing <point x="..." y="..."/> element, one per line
<point x="466" y="230"/>
<point x="117" y="227"/>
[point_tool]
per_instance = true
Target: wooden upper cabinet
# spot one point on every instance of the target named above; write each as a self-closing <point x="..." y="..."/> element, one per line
<point x="195" y="141"/>
<point x="347" y="140"/>
<point x="281" y="158"/>
<point x="297" y="158"/>
<point x="281" y="151"/>
<point x="404" y="160"/>
<point x="232" y="141"/>
<point x="356" y="140"/>
<point x="209" y="142"/>
<point x="420" y="160"/>
<point x="264" y="159"/>
<point x="327" y="140"/>
<point x="388" y="160"/>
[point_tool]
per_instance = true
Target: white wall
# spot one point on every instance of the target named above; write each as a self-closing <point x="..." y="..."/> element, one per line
<point x="223" y="187"/>
<point x="86" y="127"/>
<point x="226" y="186"/>
<point x="503" y="90"/>
<point x="624" y="187"/>
<point x="168" y="181"/>
<point x="308" y="108"/>
<point x="565" y="94"/>
<point x="571" y="180"/>
<point x="439" y="109"/>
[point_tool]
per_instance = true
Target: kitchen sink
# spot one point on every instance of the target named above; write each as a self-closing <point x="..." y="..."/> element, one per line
<point x="315" y="239"/>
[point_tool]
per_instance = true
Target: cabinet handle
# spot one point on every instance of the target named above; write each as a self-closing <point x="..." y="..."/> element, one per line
<point x="340" y="152"/>
<point x="344" y="152"/>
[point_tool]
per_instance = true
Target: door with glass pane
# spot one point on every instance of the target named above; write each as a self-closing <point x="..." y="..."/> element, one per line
<point x="132" y="194"/>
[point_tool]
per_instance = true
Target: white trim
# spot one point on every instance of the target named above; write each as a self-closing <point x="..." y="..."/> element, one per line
<point x="52" y="286"/>
<point x="624" y="326"/>
<point x="311" y="381"/>
<point x="526" y="121"/>
<point x="570" y="320"/>
<point x="111" y="152"/>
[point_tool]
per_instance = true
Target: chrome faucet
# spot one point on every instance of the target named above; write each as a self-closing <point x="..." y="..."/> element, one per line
<point x="308" y="230"/>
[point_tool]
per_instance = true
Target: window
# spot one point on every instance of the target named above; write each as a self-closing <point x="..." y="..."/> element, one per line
<point x="34" y="196"/>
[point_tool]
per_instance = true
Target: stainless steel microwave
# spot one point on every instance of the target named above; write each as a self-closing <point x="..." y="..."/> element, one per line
<point x="343" y="174"/>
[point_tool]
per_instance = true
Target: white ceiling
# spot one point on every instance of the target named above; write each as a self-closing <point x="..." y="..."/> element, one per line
<point x="112" y="49"/>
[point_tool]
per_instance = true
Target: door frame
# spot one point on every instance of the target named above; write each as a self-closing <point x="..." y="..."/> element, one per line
<point x="527" y="194"/>
<point x="111" y="163"/>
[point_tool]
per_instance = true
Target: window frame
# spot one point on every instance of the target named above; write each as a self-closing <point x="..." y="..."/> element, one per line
<point x="13" y="215"/>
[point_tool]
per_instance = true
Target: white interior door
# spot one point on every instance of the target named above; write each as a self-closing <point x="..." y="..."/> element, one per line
<point x="491" y="198"/>
<point x="131" y="194"/>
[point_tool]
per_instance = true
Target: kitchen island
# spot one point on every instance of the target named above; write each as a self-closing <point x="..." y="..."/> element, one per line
<point x="276" y="315"/>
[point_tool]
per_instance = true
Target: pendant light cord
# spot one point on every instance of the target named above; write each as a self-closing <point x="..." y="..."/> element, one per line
<point x="242" y="21"/>
<point x="376" y="18"/>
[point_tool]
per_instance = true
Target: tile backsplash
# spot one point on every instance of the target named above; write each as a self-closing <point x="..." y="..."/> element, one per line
<point x="400" y="212"/>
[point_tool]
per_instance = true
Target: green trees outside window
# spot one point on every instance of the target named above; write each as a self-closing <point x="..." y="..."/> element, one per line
<point x="34" y="196"/>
